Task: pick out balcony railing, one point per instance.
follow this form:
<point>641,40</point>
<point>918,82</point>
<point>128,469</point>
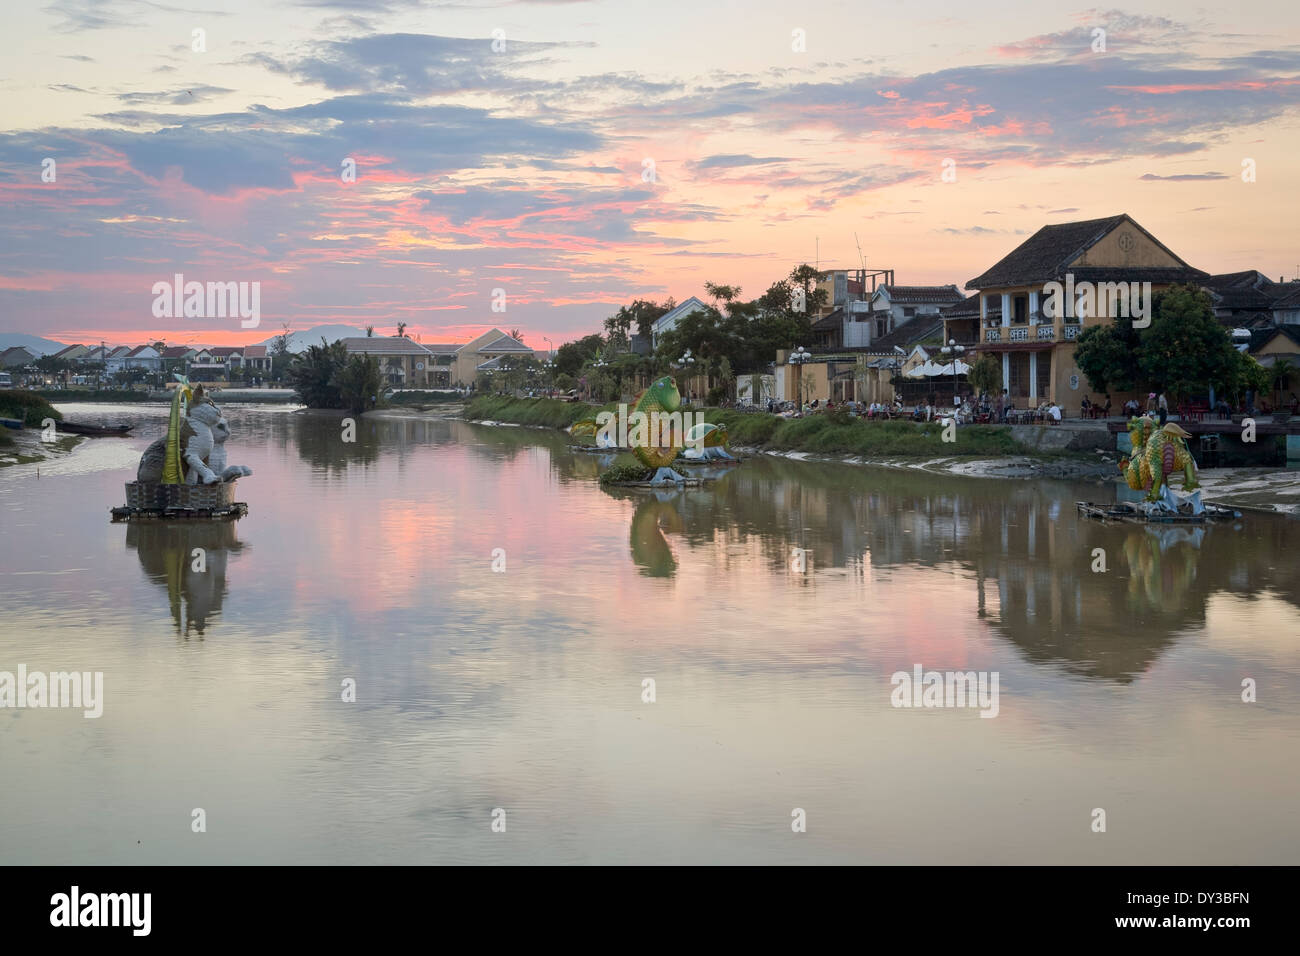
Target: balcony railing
<point>1019,334</point>
<point>1072,332</point>
<point>1046,333</point>
<point>992,335</point>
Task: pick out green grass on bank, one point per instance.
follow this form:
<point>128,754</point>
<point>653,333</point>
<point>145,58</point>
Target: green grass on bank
<point>93,395</point>
<point>422,398</point>
<point>827,434</point>
<point>529,411</point>
<point>31,407</point>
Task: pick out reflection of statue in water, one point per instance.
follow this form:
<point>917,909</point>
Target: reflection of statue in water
<point>650,550</point>
<point>166,551</point>
<point>1162,564</point>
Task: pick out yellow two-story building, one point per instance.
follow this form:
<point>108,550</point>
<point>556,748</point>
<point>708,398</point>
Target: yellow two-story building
<point>1030,325</point>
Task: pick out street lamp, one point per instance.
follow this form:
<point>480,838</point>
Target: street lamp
<point>799,358</point>
<point>954,351</point>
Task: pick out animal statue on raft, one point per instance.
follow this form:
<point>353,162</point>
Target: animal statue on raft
<point>1157,453</point>
<point>662,396</point>
<point>193,452</point>
<point>707,442</point>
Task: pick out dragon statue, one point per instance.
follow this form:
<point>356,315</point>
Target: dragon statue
<point>1157,454</point>
<point>194,449</point>
<point>662,396</point>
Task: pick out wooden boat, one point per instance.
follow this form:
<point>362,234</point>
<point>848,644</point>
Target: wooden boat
<point>15,423</point>
<point>1136,514</point>
<point>94,431</point>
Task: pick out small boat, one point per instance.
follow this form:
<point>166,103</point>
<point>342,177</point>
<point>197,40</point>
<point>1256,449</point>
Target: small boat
<point>15,423</point>
<point>94,431</point>
<point>1144,513</point>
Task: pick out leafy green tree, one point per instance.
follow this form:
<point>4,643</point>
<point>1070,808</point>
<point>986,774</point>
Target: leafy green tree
<point>985,374</point>
<point>1186,350</point>
<point>571,356</point>
<point>1108,356</point>
<point>314,374</point>
<point>359,383</point>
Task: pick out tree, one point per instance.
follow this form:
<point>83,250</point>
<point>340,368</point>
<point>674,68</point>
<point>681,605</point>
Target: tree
<point>358,383</point>
<point>370,331</point>
<point>985,374</point>
<point>516,334</point>
<point>571,356</point>
<point>314,374</point>
<point>401,330</point>
<point>806,277</point>
<point>1108,356</point>
<point>1186,350</point>
<point>1280,377</point>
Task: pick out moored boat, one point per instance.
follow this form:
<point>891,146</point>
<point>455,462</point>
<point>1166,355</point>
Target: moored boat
<point>1152,513</point>
<point>94,431</point>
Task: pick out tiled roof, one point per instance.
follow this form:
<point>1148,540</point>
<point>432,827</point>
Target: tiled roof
<point>909,333</point>
<point>1261,337</point>
<point>225,351</point>
<point>66,349</point>
<point>138,349</point>
<point>829,322</point>
<point>505,344</point>
<point>445,348</point>
<point>255,351</point>
<point>1044,257</point>
<point>176,351</point>
<point>922,294</point>
<point>383,345</point>
<point>969,308</point>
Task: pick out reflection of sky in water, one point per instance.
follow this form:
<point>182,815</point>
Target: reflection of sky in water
<point>522,690</point>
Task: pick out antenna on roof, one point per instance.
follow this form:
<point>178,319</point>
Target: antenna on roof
<point>861,261</point>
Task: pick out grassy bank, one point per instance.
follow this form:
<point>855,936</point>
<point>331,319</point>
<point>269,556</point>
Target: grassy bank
<point>528,411</point>
<point>115,395</point>
<point>824,434</point>
<point>31,407</point>
<point>422,398</point>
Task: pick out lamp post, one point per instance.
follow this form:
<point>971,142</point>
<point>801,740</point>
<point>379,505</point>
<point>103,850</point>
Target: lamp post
<point>686,363</point>
<point>954,351</point>
<point>799,358</point>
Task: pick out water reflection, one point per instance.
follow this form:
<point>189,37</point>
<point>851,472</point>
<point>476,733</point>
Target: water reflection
<point>195,583</point>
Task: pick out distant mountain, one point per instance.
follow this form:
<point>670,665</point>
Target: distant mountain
<point>33,343</point>
<point>298,341</point>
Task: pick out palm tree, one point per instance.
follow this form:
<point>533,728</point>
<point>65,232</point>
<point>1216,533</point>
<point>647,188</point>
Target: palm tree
<point>517,335</point>
<point>370,331</point>
<point>401,330</point>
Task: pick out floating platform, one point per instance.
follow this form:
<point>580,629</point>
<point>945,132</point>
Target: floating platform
<point>1138,514</point>
<point>152,501</point>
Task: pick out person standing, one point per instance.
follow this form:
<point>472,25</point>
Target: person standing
<point>1163,407</point>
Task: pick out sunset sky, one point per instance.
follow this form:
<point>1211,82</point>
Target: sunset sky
<point>522,168</point>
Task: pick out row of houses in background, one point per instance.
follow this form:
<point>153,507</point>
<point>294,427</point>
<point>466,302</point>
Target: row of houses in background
<point>199,363</point>
<point>872,333</point>
<point>406,363</point>
<point>403,362</point>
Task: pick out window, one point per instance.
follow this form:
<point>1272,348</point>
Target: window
<point>908,312</point>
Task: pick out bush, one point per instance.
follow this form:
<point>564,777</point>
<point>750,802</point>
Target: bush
<point>31,408</point>
<point>625,468</point>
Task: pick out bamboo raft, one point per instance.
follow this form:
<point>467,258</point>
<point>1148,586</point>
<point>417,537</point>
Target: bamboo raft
<point>1135,514</point>
<point>151,501</point>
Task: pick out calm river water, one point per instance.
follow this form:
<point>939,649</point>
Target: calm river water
<point>522,689</point>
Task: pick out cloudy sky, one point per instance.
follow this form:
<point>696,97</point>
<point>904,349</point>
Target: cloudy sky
<point>596,152</point>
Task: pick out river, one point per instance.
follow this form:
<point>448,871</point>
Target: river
<point>503,621</point>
